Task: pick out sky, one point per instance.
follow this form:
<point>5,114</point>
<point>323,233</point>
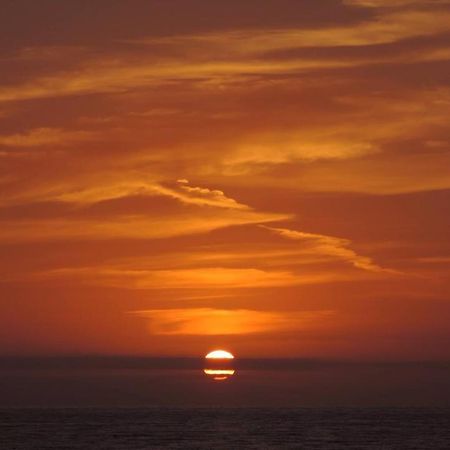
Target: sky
<point>267,177</point>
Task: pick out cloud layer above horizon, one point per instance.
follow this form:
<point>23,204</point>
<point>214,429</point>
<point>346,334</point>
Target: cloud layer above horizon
<point>206,162</point>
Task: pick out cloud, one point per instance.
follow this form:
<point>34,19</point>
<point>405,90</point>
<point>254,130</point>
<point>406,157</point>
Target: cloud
<point>371,144</point>
<point>209,321</point>
<point>276,150</point>
<point>87,192</point>
<point>100,190</point>
<point>103,191</point>
<point>242,53</point>
<point>198,278</point>
<point>200,196</point>
<point>387,175</point>
<point>330,246</point>
<point>38,137</point>
<point>210,277</point>
<point>135,274</point>
<point>167,211</point>
<point>129,75</point>
<point>130,226</point>
<point>434,260</point>
<point>394,3</point>
<point>387,27</point>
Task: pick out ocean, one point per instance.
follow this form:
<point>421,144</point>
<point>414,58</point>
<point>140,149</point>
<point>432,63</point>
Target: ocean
<point>224,428</point>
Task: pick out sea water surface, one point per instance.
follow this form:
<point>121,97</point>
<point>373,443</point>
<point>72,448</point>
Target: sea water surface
<point>225,428</point>
<point>137,404</point>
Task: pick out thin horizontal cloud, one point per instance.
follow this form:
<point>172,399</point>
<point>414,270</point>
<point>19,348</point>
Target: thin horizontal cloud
<point>394,3</point>
<point>198,278</point>
<point>209,321</point>
<point>38,137</point>
<point>396,174</point>
<point>135,226</point>
<point>129,276</point>
<point>266,255</point>
<point>128,76</point>
<point>290,148</point>
<point>434,260</point>
<point>387,27</point>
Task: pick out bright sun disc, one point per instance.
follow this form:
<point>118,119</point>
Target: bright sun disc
<point>219,354</point>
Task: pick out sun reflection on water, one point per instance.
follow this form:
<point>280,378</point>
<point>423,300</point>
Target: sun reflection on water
<point>219,374</point>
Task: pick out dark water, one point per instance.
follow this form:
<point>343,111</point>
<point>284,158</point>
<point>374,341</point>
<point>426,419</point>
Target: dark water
<point>225,428</point>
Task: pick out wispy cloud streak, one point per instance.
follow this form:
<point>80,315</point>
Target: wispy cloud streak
<point>330,246</point>
<point>210,321</point>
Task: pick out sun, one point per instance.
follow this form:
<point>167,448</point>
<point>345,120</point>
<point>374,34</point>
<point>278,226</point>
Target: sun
<point>219,365</point>
<point>219,354</point>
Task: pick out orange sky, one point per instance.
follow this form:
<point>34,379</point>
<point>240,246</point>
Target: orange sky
<point>270,177</point>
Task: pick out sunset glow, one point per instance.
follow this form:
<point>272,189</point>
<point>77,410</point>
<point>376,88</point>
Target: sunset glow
<point>225,224</point>
<point>270,177</point>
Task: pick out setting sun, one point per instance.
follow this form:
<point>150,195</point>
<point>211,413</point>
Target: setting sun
<point>219,354</point>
